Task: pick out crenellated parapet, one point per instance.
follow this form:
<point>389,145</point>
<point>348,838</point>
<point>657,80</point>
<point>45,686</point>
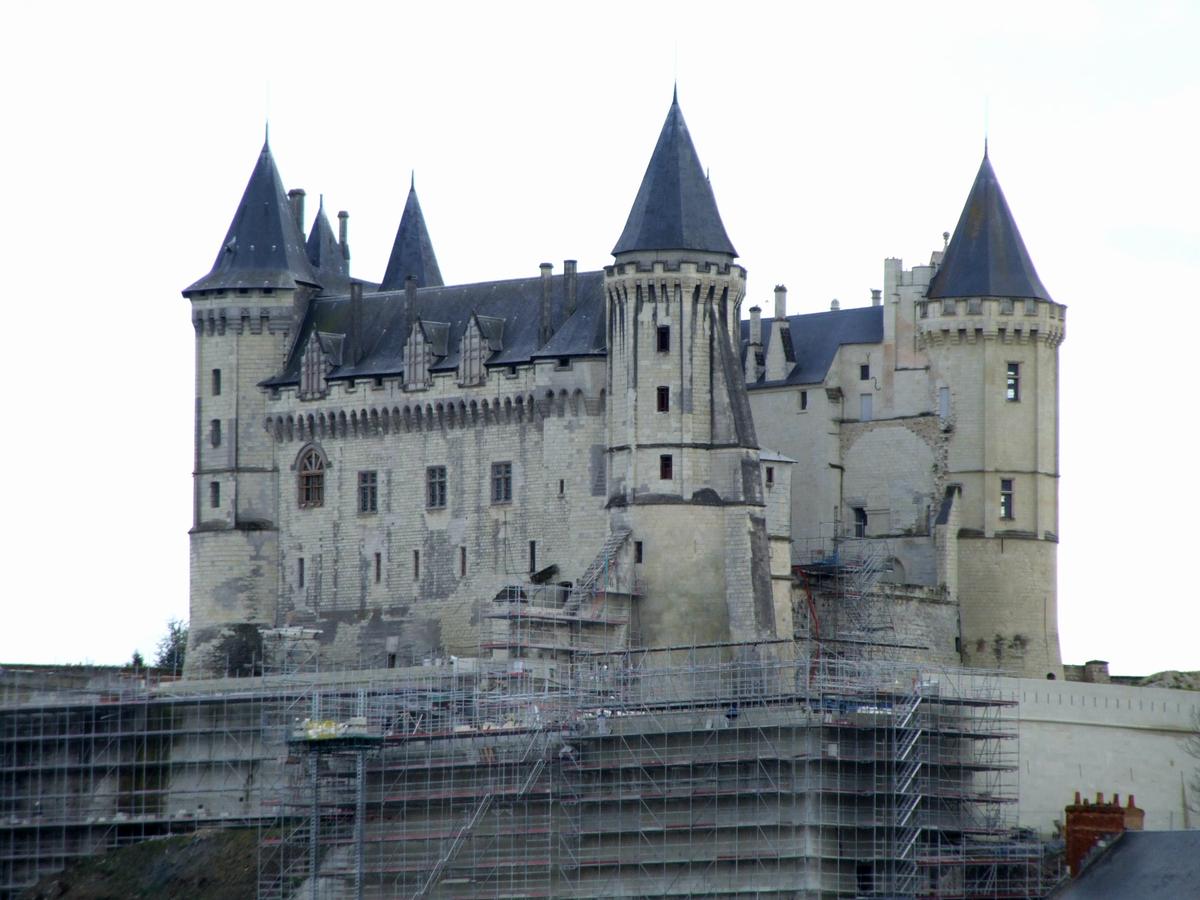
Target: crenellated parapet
<point>1002,319</point>
<point>220,319</point>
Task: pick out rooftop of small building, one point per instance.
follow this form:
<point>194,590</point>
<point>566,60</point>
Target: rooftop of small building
<point>1148,865</point>
<point>814,339</point>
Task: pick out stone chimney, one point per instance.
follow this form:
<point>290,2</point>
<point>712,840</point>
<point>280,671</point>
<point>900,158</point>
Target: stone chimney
<point>834,306</point>
<point>756,326</point>
<point>356,314</point>
<point>571,283</point>
<point>296,198</point>
<point>343,231</point>
<point>545,328</point>
<point>876,297</point>
<point>1095,671</point>
<point>754,346</point>
<point>780,302</point>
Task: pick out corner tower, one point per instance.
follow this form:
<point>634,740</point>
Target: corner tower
<point>991,333</point>
<point>683,459</point>
<point>243,312</point>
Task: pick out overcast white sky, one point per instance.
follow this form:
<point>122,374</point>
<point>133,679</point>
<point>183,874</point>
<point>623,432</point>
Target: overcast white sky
<point>836,135</point>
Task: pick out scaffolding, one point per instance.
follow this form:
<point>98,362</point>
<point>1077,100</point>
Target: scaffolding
<point>728,770</point>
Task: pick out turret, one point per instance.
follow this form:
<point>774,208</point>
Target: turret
<point>991,333</point>
<point>412,251</point>
<point>684,468</point>
<point>243,312</point>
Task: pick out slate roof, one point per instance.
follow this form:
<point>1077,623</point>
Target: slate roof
<point>263,247</point>
<point>986,256</point>
<point>325,254</point>
<point>1148,865</point>
<point>412,251</point>
<point>815,338</point>
<point>508,311</point>
<point>675,208</point>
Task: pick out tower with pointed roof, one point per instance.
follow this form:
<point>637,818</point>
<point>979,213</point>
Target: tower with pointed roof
<point>991,332</point>
<point>243,312</point>
<point>683,457</point>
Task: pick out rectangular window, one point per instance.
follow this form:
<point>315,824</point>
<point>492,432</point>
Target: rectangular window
<point>860,522</point>
<point>462,562</point>
<point>501,482</point>
<point>1012,390</point>
<point>300,572</point>
<point>944,402</point>
<point>664,338</point>
<point>770,476</point>
<point>377,381</point>
<point>435,487</point>
<point>803,401</point>
<point>666,467</point>
<point>563,362</point>
<point>637,551</point>
<point>216,382</point>
<point>416,565</point>
<point>214,494</point>
<point>866,407</point>
<point>533,556</point>
<point>562,487</point>
<point>1007,510</point>
<point>663,395</point>
<point>378,567</point>
<point>368,492</point>
<point>214,432</point>
<point>391,660</point>
<point>864,372</point>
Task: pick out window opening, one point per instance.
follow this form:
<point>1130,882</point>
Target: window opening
<point>866,404</point>
<point>215,432</point>
<point>803,401</point>
<point>860,522</point>
<point>1007,508</point>
<point>664,399</point>
<point>770,476</point>
<point>416,565</point>
<point>368,492</point>
<point>300,572</point>
<point>562,487</point>
<point>378,567</point>
<point>435,487</point>
<point>216,382</point>
<point>533,556</point>
<point>312,479</point>
<point>462,562</point>
<point>501,482</point>
<point>1012,389</point>
<point>637,551</point>
<point>666,467</point>
<point>214,494</point>
<point>664,338</point>
<point>864,372</point>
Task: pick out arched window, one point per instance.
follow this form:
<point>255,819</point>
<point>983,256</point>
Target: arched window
<point>312,479</point>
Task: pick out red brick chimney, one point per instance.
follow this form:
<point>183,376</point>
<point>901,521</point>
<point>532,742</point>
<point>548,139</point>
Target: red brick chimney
<point>1089,823</point>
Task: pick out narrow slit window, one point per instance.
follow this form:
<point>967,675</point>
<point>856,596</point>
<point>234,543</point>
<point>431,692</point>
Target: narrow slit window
<point>216,382</point>
<point>663,397</point>
<point>378,567</point>
<point>803,401</point>
<point>637,551</point>
<point>666,467</point>
<point>533,556</point>
<point>770,476</point>
<point>416,565</point>
<point>462,562</point>
<point>300,572</point>
<point>562,487</point>
<point>214,432</point>
<point>214,494</point>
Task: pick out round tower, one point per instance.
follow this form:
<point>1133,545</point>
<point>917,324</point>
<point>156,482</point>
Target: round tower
<point>243,312</point>
<point>991,333</point>
<point>683,459</point>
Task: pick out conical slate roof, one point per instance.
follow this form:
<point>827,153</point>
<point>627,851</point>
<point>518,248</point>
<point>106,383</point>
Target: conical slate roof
<point>263,247</point>
<point>675,208</point>
<point>412,251</point>
<point>325,254</point>
<point>986,256</point>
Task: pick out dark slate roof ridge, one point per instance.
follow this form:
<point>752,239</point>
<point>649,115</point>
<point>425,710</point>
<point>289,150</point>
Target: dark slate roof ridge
<point>412,250</point>
<point>675,208</point>
<point>325,254</point>
<point>263,247</point>
<point>986,256</point>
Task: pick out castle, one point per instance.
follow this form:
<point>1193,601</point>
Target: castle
<point>376,465</point>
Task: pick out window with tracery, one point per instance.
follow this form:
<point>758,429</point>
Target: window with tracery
<point>312,479</point>
<point>312,369</point>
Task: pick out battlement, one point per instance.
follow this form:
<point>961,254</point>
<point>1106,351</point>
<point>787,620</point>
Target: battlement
<point>990,318</point>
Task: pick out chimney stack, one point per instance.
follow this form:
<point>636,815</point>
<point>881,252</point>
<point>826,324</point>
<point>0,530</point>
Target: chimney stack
<point>343,231</point>
<point>755,326</point>
<point>296,198</point>
<point>780,302</point>
<point>544,329</point>
<point>571,284</point>
<point>876,297</point>
<point>834,306</point>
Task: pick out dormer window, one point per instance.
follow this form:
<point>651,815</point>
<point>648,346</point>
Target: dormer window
<point>314,365</point>
<point>472,353</point>
<point>416,360</point>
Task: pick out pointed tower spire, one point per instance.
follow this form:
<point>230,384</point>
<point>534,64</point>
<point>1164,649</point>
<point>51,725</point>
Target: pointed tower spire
<point>263,247</point>
<point>986,256</point>
<point>325,254</point>
<point>412,251</point>
<point>675,208</point>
